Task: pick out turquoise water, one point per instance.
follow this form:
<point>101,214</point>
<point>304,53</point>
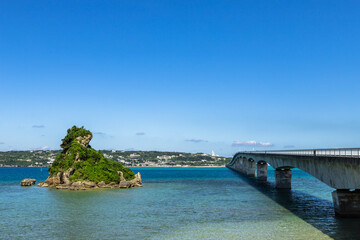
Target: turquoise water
<point>175,203</point>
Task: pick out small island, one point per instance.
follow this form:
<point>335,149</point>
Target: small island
<point>79,167</point>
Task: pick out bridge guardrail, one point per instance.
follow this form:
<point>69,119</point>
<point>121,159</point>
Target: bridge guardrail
<point>334,152</point>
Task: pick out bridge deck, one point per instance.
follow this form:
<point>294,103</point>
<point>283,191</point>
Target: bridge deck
<point>334,152</point>
<point>338,168</point>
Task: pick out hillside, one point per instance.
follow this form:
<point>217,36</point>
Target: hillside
<point>41,158</point>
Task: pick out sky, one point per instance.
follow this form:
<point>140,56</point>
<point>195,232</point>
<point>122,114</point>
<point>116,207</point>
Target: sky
<point>192,76</point>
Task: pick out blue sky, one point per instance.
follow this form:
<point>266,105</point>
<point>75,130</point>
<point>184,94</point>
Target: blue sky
<point>190,76</point>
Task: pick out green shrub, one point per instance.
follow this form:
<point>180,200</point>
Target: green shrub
<point>72,134</point>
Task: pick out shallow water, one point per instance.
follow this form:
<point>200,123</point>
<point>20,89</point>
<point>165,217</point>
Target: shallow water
<point>175,203</point>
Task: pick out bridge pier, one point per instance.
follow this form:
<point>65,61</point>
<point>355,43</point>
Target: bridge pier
<point>251,168</point>
<point>346,203</point>
<point>283,178</point>
<point>243,168</point>
<point>261,170</point>
<point>242,165</point>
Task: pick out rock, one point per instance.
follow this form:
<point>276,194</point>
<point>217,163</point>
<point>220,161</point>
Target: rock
<point>49,181</point>
<point>110,185</point>
<point>125,184</point>
<point>28,182</point>
<point>77,157</point>
<point>42,184</point>
<point>76,188</point>
<point>107,186</point>
<point>121,176</point>
<point>77,184</point>
<point>54,180</point>
<point>62,186</point>
<point>88,184</point>
<point>137,180</point>
<point>66,176</point>
<point>101,184</point>
<point>84,140</point>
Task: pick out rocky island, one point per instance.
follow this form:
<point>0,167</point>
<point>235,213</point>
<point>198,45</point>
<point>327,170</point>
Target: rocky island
<point>79,167</point>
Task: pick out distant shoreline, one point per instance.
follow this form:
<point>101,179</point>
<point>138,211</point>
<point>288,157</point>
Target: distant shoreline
<point>174,166</point>
<point>128,166</point>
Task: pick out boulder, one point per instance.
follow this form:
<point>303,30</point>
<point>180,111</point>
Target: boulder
<point>75,188</point>
<point>137,182</point>
<point>88,184</point>
<point>77,184</point>
<point>84,140</point>
<point>28,182</point>
<point>54,180</point>
<point>101,184</point>
<point>126,184</point>
<point>66,176</point>
<point>121,174</point>
<point>63,186</point>
<point>49,181</point>
<point>42,184</point>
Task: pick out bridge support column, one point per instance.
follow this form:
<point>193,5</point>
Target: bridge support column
<point>251,168</point>
<point>261,171</point>
<point>346,203</point>
<point>240,165</point>
<point>283,178</point>
<point>243,166</point>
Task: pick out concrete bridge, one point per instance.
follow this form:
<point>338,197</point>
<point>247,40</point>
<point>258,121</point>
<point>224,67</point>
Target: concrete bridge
<point>338,168</point>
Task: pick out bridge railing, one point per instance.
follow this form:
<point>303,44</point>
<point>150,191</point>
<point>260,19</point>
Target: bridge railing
<point>334,152</point>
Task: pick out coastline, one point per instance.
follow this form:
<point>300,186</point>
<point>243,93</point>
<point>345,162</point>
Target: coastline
<point>126,166</point>
<point>176,166</point>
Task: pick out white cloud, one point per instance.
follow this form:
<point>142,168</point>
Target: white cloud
<point>38,126</point>
<point>194,140</point>
<point>99,133</point>
<point>131,149</point>
<point>252,144</point>
<point>289,146</point>
<point>41,148</point>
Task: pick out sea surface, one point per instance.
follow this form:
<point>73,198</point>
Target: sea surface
<point>175,203</point>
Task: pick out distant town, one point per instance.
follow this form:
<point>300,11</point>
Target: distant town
<point>41,158</point>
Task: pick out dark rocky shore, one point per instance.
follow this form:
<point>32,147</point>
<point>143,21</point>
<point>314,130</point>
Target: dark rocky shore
<point>58,182</point>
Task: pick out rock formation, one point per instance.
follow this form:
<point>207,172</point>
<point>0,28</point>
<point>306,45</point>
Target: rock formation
<point>28,182</point>
<point>80,167</point>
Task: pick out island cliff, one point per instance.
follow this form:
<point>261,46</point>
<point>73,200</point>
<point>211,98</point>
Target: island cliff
<point>80,167</point>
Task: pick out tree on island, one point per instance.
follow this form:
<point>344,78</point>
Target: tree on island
<point>80,166</point>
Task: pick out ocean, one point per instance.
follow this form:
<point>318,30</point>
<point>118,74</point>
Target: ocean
<point>174,203</point>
